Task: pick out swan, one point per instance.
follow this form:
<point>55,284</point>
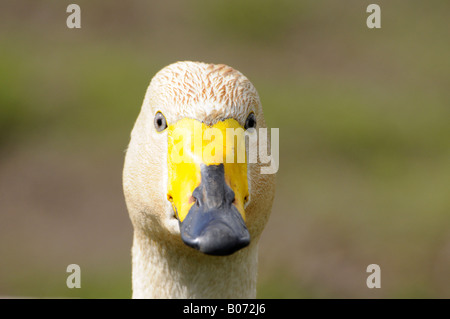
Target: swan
<point>196,224</point>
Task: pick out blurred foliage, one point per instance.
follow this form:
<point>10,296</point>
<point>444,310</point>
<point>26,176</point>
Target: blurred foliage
<point>252,20</point>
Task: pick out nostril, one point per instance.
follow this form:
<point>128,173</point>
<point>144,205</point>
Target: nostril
<point>192,200</point>
<point>197,196</point>
<point>230,197</point>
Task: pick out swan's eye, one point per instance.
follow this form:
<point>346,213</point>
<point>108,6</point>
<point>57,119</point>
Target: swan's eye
<point>250,122</point>
<point>160,122</point>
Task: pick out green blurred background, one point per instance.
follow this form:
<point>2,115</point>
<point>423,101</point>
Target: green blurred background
<point>364,126</point>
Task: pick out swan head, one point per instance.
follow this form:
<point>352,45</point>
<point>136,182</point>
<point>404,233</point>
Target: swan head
<point>186,180</point>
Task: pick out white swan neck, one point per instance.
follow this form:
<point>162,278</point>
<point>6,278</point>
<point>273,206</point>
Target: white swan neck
<point>165,271</point>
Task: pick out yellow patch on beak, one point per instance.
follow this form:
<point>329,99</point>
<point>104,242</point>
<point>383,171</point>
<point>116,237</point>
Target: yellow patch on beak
<point>191,144</point>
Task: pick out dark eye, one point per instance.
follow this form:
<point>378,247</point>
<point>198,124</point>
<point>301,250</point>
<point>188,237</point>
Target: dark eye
<point>160,122</point>
<point>250,122</point>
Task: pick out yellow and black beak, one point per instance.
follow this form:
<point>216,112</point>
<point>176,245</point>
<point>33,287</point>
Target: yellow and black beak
<point>207,184</point>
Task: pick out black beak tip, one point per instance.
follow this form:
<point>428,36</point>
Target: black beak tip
<point>214,226</point>
<point>218,237</point>
<point>219,240</point>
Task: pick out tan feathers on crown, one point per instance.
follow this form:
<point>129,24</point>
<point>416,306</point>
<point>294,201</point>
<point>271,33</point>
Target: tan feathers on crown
<point>216,90</point>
